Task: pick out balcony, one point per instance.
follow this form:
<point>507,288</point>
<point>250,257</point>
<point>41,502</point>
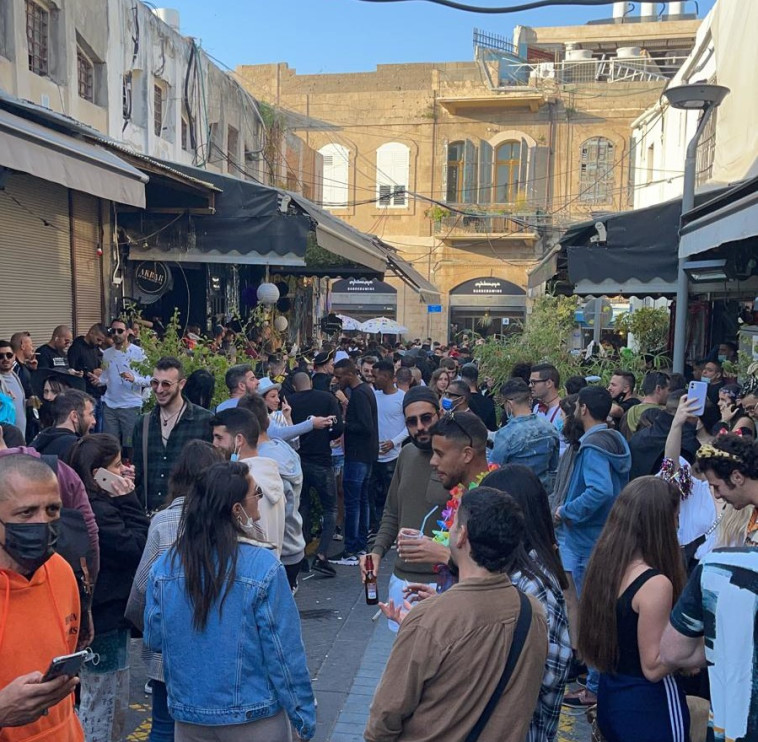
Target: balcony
<point>472,227</point>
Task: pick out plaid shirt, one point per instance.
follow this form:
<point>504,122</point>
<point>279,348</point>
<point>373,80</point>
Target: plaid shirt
<point>160,538</point>
<point>544,725</point>
<point>194,423</point>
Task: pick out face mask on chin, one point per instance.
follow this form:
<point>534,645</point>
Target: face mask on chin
<point>30,545</point>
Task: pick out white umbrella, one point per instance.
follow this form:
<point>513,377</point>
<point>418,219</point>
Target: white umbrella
<point>384,325</point>
<point>348,323</point>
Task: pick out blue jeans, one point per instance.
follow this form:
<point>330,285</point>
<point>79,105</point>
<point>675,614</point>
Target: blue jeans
<point>356,479</point>
<point>578,568</point>
<point>320,478</point>
<point>163,725</point>
<point>381,477</point>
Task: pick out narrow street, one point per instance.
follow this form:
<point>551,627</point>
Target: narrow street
<point>346,653</point>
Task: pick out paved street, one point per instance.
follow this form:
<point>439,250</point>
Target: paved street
<point>346,653</point>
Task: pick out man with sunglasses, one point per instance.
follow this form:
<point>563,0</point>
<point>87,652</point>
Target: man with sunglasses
<point>415,499</point>
<point>123,395</point>
<point>169,425</point>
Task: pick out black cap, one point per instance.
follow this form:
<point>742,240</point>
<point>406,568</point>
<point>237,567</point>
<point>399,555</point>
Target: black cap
<point>420,394</point>
<point>322,358</point>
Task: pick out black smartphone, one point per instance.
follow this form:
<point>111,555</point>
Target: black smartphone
<point>67,664</point>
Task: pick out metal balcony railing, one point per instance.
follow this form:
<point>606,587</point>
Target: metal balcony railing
<point>492,224</point>
<point>514,73</point>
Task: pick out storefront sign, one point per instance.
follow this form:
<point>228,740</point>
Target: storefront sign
<point>152,278</point>
<point>487,287</point>
<point>362,286</point>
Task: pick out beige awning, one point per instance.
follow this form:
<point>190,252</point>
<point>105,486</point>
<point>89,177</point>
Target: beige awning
<point>50,155</point>
<point>428,292</point>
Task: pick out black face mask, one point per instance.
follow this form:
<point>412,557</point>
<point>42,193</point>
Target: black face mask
<point>30,544</point>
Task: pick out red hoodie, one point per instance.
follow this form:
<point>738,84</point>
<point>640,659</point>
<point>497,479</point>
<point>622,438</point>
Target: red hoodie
<point>73,495</point>
<point>39,620</point>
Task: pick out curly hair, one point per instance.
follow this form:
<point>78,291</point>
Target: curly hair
<point>495,524</point>
<point>739,454</point>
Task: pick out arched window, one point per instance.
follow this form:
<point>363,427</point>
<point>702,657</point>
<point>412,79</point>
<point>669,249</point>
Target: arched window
<point>596,179</point>
<point>393,161</point>
<point>336,173</point>
<point>455,172</point>
<point>510,171</point>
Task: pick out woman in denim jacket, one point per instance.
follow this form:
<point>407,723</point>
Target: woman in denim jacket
<point>220,610</point>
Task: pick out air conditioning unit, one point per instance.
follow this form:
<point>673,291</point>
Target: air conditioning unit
<point>545,71</point>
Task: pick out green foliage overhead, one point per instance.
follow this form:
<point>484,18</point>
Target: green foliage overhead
<point>649,326</point>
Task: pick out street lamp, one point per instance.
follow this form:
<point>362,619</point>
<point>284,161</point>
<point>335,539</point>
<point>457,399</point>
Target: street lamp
<point>705,98</point>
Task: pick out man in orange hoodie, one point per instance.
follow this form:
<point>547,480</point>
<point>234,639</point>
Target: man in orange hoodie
<point>39,607</point>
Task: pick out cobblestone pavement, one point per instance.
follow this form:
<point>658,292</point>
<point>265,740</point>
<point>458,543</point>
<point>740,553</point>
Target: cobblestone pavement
<point>346,653</point>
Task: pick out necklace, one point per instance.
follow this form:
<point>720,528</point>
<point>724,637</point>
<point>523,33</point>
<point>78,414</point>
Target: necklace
<point>167,420</point>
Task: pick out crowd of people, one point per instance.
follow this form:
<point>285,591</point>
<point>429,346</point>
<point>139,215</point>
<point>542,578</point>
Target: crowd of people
<point>544,533</point>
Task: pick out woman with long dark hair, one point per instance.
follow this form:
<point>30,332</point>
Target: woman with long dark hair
<point>195,459</point>
<point>634,577</point>
<point>220,610</point>
<point>122,532</point>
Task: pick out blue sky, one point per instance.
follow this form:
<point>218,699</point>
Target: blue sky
<point>316,36</point>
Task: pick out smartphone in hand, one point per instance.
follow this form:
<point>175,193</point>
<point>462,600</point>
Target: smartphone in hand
<point>67,664</point>
<point>698,390</point>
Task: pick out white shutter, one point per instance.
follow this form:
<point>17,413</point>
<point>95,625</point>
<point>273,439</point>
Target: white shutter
<point>392,173</point>
<point>336,170</point>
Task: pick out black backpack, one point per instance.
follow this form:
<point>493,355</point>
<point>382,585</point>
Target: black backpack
<point>74,546</point>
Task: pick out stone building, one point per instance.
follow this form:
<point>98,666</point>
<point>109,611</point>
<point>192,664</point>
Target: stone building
<point>472,169</point>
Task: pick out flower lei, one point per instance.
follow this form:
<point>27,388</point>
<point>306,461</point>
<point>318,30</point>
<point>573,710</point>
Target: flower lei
<point>442,536</point>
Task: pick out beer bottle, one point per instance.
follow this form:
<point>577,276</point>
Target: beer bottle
<point>372,593</point>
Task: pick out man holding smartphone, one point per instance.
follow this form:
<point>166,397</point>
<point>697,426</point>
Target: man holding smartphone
<point>40,607</point>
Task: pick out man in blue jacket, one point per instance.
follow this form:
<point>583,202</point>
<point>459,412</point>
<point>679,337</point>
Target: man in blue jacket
<point>600,472</point>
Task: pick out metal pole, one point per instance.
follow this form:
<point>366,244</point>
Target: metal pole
<point>682,284</point>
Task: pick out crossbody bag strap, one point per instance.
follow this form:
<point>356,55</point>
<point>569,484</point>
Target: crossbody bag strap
<point>145,480</point>
<point>519,639</point>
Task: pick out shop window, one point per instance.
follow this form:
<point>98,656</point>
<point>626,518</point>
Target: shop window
<point>596,176</point>
<point>392,174</point>
<point>85,74</point>
<point>510,176</point>
<point>38,37</point>
<point>336,173</point>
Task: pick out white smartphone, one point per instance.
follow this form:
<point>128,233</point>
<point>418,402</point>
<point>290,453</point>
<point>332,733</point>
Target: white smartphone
<point>698,390</point>
<point>108,481</point>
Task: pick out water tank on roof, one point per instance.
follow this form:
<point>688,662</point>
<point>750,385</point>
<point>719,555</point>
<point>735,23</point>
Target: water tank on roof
<point>629,52</point>
<point>170,16</point>
<point>578,55</point>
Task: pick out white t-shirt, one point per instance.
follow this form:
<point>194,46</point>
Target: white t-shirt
<point>389,408</point>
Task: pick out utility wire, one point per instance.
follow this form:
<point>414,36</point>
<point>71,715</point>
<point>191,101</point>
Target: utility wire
<point>505,9</point>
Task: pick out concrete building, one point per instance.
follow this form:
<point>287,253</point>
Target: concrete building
<point>471,169</point>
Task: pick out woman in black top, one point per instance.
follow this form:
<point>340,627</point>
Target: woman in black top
<point>633,578</point>
<point>122,526</point>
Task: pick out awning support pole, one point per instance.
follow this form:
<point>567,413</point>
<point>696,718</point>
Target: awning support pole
<point>682,283</point>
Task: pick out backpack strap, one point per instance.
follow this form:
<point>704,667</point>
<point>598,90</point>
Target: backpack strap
<point>519,639</point>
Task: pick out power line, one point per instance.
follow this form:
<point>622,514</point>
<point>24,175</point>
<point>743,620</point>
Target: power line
<point>503,9</point>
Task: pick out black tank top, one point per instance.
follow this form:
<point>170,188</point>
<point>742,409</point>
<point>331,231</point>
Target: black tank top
<point>626,627</point>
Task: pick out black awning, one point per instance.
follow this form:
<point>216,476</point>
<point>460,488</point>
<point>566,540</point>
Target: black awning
<point>636,247</point>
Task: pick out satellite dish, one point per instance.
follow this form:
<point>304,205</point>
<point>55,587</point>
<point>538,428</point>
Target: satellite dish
<point>598,311</point>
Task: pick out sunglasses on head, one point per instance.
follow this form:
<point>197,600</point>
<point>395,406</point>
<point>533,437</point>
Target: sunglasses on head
<point>451,417</point>
<point>162,383</point>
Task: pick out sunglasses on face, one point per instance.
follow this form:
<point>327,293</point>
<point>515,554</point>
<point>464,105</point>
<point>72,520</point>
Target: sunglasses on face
<point>415,421</point>
<point>258,493</point>
<point>162,383</point>
<point>118,330</point>
<point>452,395</point>
<point>534,382</point>
<point>6,356</point>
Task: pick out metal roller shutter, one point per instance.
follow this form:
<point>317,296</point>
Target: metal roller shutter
<point>87,265</point>
<point>35,257</point>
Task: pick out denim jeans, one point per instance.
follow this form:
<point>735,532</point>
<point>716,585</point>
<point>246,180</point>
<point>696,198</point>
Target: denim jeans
<point>578,568</point>
<point>355,482</point>
<point>162,729</point>
<point>381,476</point>
<point>320,478</point>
